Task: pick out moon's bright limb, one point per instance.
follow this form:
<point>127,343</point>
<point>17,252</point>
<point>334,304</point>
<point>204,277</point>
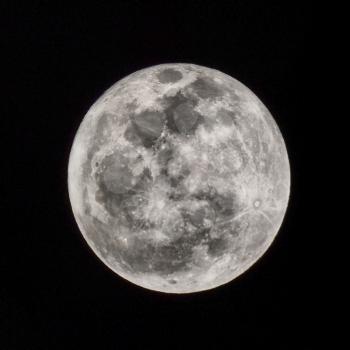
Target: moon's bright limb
<point>179,178</point>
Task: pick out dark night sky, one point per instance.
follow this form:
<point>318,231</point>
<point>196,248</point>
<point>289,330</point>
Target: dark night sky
<point>58,60</point>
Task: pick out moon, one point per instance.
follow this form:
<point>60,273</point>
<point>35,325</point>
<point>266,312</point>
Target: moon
<point>179,178</point>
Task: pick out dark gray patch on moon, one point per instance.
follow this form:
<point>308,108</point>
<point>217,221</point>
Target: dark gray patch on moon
<point>149,126</point>
<point>117,176</point>
<point>131,135</point>
<point>203,216</point>
<point>226,117</point>
<point>223,204</point>
<point>206,88</point>
<point>180,113</point>
<point>169,75</point>
<point>217,246</point>
<point>166,259</point>
<point>185,118</point>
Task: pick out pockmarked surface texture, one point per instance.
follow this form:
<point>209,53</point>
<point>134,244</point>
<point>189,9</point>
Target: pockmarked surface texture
<point>179,178</point>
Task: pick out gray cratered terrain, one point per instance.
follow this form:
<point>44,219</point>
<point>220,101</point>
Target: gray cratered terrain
<point>179,178</point>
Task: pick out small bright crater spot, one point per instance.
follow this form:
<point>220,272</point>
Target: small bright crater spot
<point>257,203</point>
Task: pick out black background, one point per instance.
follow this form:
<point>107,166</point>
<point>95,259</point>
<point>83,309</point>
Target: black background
<point>58,60</point>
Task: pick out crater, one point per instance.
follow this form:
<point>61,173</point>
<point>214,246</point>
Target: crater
<point>169,75</point>
<point>235,158</point>
<point>257,203</point>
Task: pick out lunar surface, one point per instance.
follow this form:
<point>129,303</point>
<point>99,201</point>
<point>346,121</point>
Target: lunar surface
<point>179,178</point>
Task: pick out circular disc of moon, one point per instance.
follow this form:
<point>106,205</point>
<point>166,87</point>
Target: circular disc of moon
<point>179,178</point>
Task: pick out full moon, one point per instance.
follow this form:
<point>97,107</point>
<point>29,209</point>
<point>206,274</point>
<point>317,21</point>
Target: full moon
<point>179,178</point>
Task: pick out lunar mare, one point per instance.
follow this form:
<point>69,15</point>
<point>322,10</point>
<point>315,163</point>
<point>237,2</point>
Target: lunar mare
<point>179,178</point>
